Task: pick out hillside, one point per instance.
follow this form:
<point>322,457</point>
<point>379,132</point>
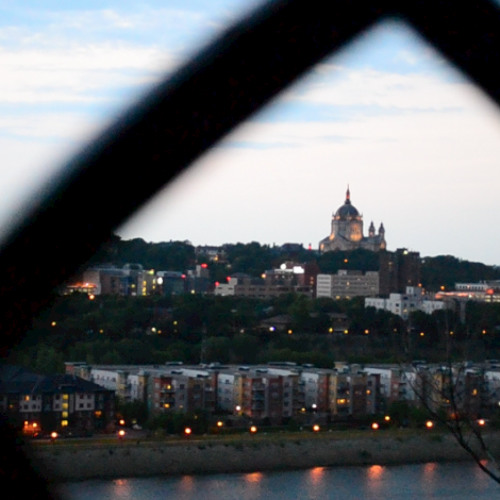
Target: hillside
<point>254,258</point>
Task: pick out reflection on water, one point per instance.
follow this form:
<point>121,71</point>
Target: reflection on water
<point>317,485</point>
<point>187,484</point>
<point>316,475</point>
<point>252,485</point>
<point>424,481</point>
<point>121,488</point>
<point>374,483</point>
<point>375,472</point>
<point>254,477</point>
<point>429,477</point>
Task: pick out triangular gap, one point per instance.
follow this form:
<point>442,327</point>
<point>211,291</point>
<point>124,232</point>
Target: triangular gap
<point>415,139</point>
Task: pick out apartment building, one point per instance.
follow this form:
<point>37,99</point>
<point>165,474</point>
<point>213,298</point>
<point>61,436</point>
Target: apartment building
<point>403,304</point>
<point>347,284</point>
<point>40,404</point>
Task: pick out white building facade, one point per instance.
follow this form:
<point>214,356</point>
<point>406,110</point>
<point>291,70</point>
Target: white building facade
<point>403,304</point>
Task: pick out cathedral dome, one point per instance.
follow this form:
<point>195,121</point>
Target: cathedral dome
<point>347,209</point>
<point>346,231</point>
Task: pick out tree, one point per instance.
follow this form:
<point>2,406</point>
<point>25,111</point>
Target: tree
<point>452,395</point>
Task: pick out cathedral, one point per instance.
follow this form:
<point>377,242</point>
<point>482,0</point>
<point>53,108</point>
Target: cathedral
<point>347,231</point>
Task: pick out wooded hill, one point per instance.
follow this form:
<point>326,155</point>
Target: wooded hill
<point>254,258</point>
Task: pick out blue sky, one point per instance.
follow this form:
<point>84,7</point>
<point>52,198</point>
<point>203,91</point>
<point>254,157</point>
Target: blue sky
<point>416,142</point>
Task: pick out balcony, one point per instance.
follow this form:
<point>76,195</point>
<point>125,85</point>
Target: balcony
<point>258,387</point>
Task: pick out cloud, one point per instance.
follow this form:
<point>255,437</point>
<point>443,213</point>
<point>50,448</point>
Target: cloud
<point>81,73</point>
<point>154,23</point>
<point>369,87</point>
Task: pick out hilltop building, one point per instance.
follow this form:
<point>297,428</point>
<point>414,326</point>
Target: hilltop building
<point>347,231</point>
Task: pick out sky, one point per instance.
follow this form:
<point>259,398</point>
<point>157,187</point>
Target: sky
<point>416,142</point>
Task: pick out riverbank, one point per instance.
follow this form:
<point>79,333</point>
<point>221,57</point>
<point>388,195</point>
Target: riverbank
<point>61,461</point>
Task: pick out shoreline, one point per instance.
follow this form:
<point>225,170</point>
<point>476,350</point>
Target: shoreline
<point>69,462</point>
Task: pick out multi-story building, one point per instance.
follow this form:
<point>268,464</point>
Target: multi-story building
<point>212,253</point>
<point>260,392</point>
<point>316,388</point>
<point>339,395</point>
<point>347,284</point>
<point>171,282</point>
<point>131,279</point>
<point>170,387</point>
<point>260,288</point>
<point>392,381</point>
<point>484,291</point>
<point>126,381</point>
<point>399,270</point>
<point>181,390</point>
<point>45,403</point>
<point>403,304</point>
<point>353,393</point>
<point>276,392</point>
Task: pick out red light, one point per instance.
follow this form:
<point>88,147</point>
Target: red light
<point>183,276</point>
<point>228,278</point>
<point>204,266</point>
<point>217,284</point>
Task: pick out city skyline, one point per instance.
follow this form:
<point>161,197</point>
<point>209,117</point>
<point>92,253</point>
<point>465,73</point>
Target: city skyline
<point>413,139</point>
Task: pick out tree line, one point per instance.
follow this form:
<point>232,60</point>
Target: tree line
<point>254,258</point>
<point>205,328</point>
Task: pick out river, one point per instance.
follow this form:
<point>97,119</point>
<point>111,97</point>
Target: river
<point>423,481</point>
